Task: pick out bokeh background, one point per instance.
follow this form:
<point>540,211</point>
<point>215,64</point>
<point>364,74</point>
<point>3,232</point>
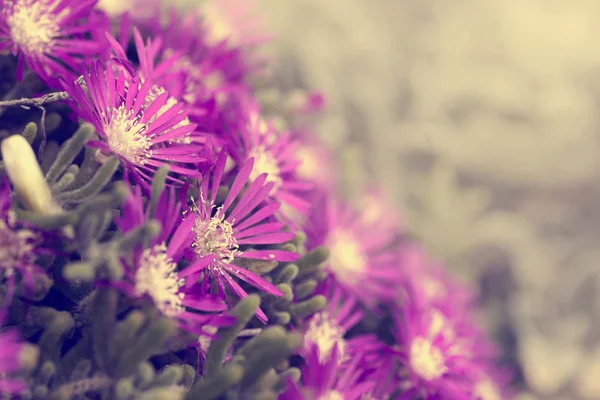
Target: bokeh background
<point>480,119</point>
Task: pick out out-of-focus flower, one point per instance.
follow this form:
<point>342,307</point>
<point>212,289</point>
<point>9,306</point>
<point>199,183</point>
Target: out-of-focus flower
<point>327,329</point>
<point>437,359</point>
<point>274,155</point>
<point>326,381</point>
<point>244,219</point>
<point>152,271</point>
<point>48,35</point>
<point>15,355</point>
<point>130,127</point>
<point>363,264</point>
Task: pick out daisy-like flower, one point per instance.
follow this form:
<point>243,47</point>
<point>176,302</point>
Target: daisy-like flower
<point>20,245</point>
<point>274,155</point>
<point>327,329</point>
<point>51,36</point>
<point>223,231</point>
<point>15,355</point>
<point>436,355</point>
<point>130,127</point>
<point>166,73</point>
<point>152,272</point>
<point>326,381</point>
<point>365,265</point>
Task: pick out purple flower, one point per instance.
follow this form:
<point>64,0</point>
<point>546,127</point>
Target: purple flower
<point>436,352</point>
<point>20,245</point>
<point>327,381</point>
<point>14,356</point>
<point>152,272</point>
<point>166,73</point>
<point>132,127</point>
<point>362,259</point>
<point>275,155</point>
<point>48,35</point>
<point>224,231</point>
<point>327,329</point>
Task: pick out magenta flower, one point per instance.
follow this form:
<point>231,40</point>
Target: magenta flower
<point>327,329</point>
<point>50,36</point>
<point>138,131</point>
<point>436,352</point>
<point>14,356</point>
<point>327,381</point>
<point>224,231</point>
<point>365,265</point>
<point>215,71</point>
<point>274,155</point>
<point>153,273</point>
<point>20,245</point>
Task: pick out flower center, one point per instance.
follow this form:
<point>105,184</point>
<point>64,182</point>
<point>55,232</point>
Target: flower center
<point>156,276</point>
<point>14,245</point>
<point>485,389</point>
<point>347,260</point>
<point>33,26</point>
<point>325,335</point>
<point>332,395</point>
<point>426,360</point>
<point>125,136</point>
<point>215,236</point>
<point>309,167</point>
<point>265,162</point>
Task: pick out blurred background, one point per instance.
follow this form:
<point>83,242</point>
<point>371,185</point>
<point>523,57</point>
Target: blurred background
<point>480,120</point>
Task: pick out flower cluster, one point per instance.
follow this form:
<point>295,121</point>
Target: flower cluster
<point>193,244</point>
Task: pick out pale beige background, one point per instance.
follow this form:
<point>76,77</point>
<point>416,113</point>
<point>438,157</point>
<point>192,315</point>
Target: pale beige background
<point>480,119</point>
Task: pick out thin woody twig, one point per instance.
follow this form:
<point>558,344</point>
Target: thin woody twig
<point>37,101</point>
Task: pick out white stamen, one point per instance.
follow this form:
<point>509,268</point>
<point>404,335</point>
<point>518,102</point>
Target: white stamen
<point>33,26</point>
<point>332,395</point>
<point>156,276</point>
<point>265,162</point>
<point>215,236</point>
<point>126,136</point>
<point>426,360</point>
<point>325,335</point>
<point>347,259</point>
